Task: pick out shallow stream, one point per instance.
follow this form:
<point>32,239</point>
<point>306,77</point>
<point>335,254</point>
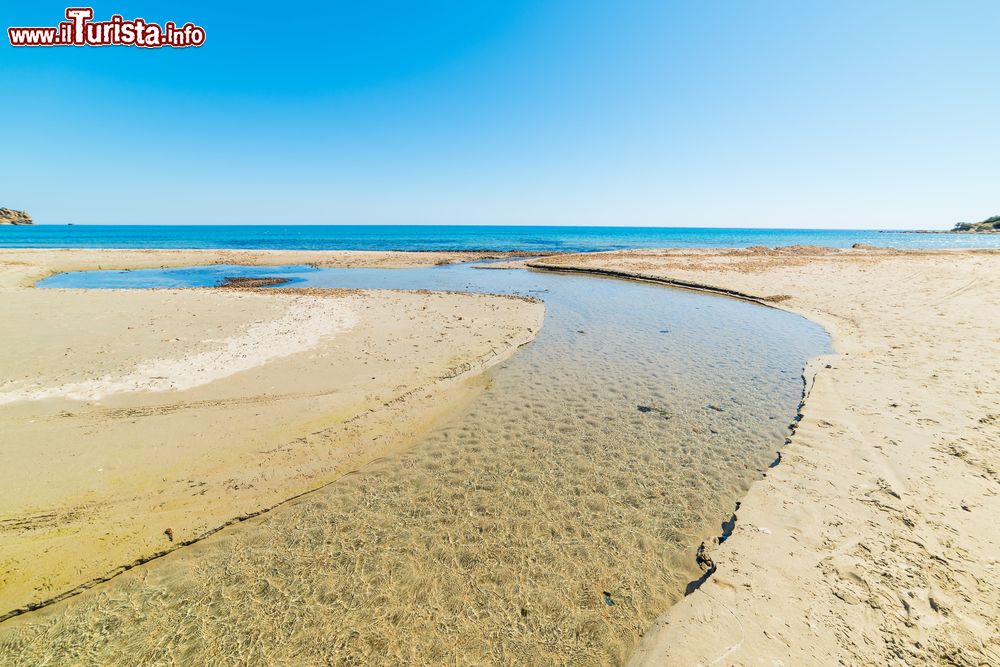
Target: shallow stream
<point>548,522</point>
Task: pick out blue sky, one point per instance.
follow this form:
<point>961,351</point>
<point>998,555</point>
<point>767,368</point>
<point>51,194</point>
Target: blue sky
<point>825,114</point>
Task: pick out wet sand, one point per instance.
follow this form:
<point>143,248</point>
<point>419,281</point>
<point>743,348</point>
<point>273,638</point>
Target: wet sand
<point>125,413</point>
<point>549,521</point>
<point>875,540</point>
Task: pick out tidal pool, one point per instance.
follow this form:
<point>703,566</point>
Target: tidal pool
<point>549,521</point>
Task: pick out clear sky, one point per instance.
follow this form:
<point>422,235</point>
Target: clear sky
<point>819,114</point>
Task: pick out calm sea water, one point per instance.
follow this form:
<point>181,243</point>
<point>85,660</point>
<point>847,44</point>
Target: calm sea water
<point>531,239</point>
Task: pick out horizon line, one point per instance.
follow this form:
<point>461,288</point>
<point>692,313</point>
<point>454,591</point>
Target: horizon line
<point>462,225</point>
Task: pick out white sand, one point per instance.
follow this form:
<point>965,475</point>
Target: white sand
<point>305,322</point>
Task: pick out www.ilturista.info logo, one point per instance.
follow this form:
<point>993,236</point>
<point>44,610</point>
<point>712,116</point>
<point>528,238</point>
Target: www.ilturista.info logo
<point>81,30</point>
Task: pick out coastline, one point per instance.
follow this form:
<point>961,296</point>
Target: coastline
<point>947,231</point>
<point>23,267</point>
<point>149,413</point>
<point>858,547</point>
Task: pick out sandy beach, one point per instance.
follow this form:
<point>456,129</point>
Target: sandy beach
<point>874,540</point>
<point>871,541</point>
<point>137,421</point>
<point>571,334</point>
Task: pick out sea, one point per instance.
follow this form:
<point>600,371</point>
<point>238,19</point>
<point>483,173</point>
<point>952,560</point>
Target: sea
<point>497,238</point>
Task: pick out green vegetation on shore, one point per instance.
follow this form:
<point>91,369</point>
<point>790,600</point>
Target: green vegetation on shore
<point>991,224</point>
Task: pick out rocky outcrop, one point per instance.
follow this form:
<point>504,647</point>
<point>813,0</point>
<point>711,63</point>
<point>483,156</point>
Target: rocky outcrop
<point>989,225</point>
<point>12,217</point>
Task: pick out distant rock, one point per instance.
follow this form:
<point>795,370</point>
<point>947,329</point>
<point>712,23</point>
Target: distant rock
<point>989,225</point>
<point>12,217</point>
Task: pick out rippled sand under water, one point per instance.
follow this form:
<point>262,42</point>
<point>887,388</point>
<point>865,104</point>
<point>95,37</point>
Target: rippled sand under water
<point>548,522</point>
